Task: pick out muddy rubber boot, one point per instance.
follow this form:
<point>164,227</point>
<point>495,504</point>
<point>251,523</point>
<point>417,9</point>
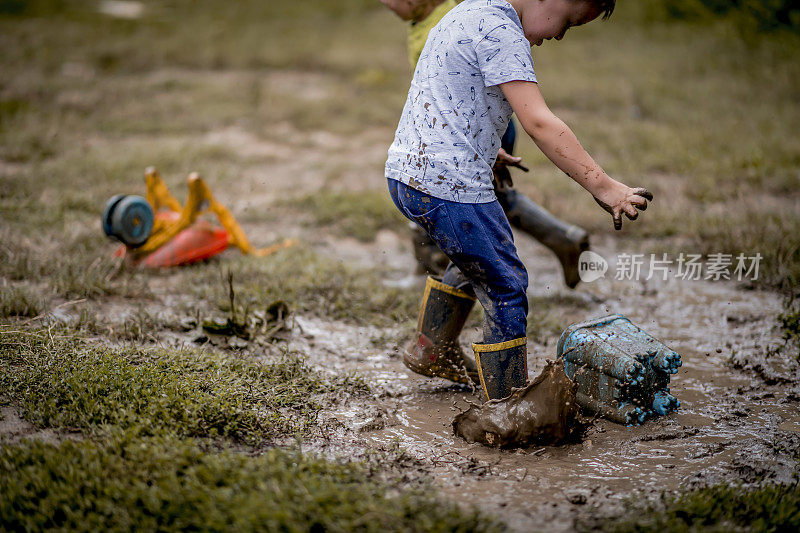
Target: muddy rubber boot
<point>502,366</point>
<point>567,241</point>
<point>430,259</point>
<point>434,351</point>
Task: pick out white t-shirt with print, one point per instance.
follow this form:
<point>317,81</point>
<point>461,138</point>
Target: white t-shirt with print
<point>452,122</point>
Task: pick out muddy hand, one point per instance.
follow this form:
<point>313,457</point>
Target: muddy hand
<point>508,160</point>
<point>623,199</point>
<point>502,175</point>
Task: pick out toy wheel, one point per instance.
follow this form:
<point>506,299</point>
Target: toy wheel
<point>110,205</point>
<point>132,220</point>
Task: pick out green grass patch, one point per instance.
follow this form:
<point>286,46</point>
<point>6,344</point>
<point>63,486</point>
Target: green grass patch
<point>309,283</point>
<point>78,265</point>
<point>741,229</point>
<point>167,484</point>
<point>255,35</point>
<point>60,381</point>
<point>20,301</point>
<point>715,509</point>
<point>750,15</point>
<point>140,326</point>
<point>79,122</point>
<point>359,215</point>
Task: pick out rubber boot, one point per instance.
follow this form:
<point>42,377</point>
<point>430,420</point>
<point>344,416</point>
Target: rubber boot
<point>430,259</point>
<point>502,366</point>
<point>566,240</point>
<point>434,351</point>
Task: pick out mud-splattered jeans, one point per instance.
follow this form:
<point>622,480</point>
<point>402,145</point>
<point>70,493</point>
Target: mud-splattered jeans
<point>477,238</point>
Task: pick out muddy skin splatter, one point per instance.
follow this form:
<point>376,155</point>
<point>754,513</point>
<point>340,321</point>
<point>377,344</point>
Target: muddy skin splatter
<point>588,169</point>
<point>544,412</point>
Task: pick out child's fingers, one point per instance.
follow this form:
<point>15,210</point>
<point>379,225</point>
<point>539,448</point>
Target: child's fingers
<point>644,193</point>
<point>617,220</point>
<point>630,212</point>
<point>639,202</point>
<point>504,157</point>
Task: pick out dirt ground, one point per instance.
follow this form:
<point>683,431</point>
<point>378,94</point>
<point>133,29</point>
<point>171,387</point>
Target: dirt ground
<point>738,422</point>
<point>288,110</point>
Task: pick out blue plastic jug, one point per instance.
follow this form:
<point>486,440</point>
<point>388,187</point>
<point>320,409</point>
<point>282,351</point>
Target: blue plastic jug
<point>622,372</point>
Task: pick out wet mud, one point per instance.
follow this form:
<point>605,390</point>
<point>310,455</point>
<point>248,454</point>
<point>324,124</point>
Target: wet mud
<point>733,426</point>
<point>739,419</point>
<point>545,412</point>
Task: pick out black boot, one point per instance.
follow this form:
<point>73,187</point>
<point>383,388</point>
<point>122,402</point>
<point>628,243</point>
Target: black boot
<point>434,350</point>
<point>502,366</point>
<point>567,241</point>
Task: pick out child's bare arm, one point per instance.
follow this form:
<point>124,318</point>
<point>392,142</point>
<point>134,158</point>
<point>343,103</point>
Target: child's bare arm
<point>415,10</point>
<point>560,145</point>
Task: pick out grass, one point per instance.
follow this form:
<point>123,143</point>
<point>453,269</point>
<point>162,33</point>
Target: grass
<point>79,124</point>
<point>714,509</point>
<point>139,325</point>
<point>360,215</point>
<point>790,320</point>
<point>168,484</point>
<point>58,380</point>
<point>305,66</point>
<point>702,114</point>
<point>155,447</point>
<point>310,284</point>
<point>20,301</point>
<point>73,267</point>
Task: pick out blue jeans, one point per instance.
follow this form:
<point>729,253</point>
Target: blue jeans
<point>477,238</point>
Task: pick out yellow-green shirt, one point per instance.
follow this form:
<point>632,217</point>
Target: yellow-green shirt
<point>418,31</point>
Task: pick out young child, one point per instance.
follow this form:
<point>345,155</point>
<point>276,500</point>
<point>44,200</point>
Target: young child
<point>474,71</point>
<point>565,240</point>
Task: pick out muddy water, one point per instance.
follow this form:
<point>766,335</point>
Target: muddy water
<point>543,412</point>
<point>737,425</point>
<point>732,426</point>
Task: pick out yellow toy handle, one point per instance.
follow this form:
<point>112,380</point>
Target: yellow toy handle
<point>199,201</point>
<point>158,196</point>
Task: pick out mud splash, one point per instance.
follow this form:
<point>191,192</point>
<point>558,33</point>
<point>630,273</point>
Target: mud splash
<point>544,412</point>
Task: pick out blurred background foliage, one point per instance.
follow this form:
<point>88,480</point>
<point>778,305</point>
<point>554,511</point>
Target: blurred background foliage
<point>759,15</point>
<point>697,99</point>
<point>752,14</point>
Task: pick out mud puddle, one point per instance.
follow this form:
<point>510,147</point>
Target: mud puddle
<point>731,427</point>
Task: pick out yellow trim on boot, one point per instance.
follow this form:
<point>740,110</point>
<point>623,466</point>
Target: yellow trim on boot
<point>496,347</point>
<point>449,289</point>
<point>424,304</point>
<point>480,374</point>
<point>433,283</point>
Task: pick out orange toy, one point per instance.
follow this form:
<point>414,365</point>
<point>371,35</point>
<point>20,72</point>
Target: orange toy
<point>179,237</point>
